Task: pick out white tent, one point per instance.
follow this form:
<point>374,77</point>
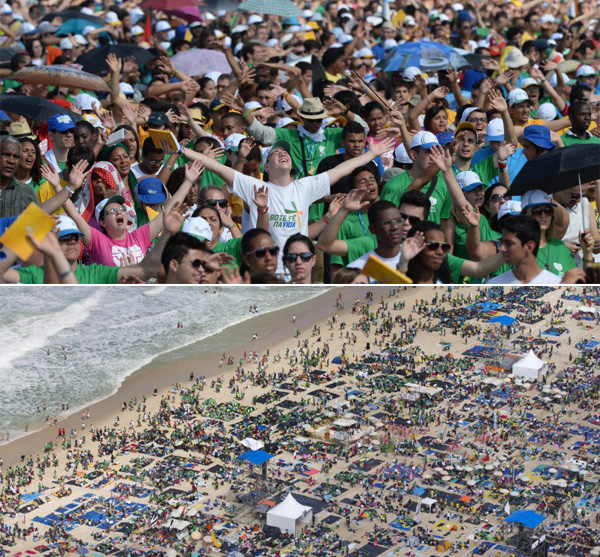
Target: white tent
<point>530,367</point>
<point>253,444</point>
<point>428,502</point>
<point>288,513</point>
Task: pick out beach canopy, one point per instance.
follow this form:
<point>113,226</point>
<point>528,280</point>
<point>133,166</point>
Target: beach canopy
<point>253,444</point>
<point>529,519</point>
<point>286,515</point>
<point>529,367</point>
<point>256,457</point>
<point>503,319</point>
<point>428,502</point>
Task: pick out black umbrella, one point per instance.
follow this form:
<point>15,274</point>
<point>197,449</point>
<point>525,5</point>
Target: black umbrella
<point>95,61</point>
<point>6,54</point>
<point>558,170</point>
<point>72,14</point>
<point>36,108</point>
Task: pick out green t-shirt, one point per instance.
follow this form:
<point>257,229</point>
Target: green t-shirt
<point>359,246</point>
<point>569,139</point>
<point>455,263</point>
<point>85,274</point>
<point>486,170</point>
<point>460,236</point>
<point>441,202</point>
<point>356,225</point>
<point>556,257</point>
<point>232,247</point>
<point>313,152</point>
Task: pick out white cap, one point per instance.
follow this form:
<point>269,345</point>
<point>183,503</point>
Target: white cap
<point>126,89</point>
<point>528,82</point>
<point>495,130</point>
<point>65,44</point>
<point>237,48</point>
<point>401,155</point>
<point>364,53</point>
<point>198,228</point>
<point>585,71</point>
<point>166,45</point>
<point>218,33</point>
<point>253,105</point>
<point>162,26</point>
<point>209,16</point>
<point>345,38</point>
<point>424,139</point>
<point>232,142</point>
<point>136,30</point>
<point>255,19</point>
<point>85,101</point>
<point>87,29</point>
<point>535,198</point>
<point>468,180</point>
<point>291,29</point>
<point>6,10</point>
<point>87,11</point>
<point>547,111</point>
<point>239,29</point>
<point>547,18</point>
<point>66,226</point>
<point>27,28</point>
<point>273,42</point>
<point>510,207</point>
<point>457,7</point>
<point>135,15</point>
<point>81,40</point>
<point>553,81</point>
<point>374,20</point>
<point>111,17</point>
<point>557,36</point>
<point>388,44</point>
<point>286,121</point>
<point>410,73</point>
<point>307,14</point>
<point>409,20</point>
<point>444,17</point>
<point>517,96</point>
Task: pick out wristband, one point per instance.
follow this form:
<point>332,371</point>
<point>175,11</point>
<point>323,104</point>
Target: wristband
<point>65,274</point>
<point>71,192</point>
<point>169,167</point>
<point>246,113</point>
<point>242,160</point>
<point>367,89</point>
<point>179,152</point>
<point>325,219</point>
<point>263,211</point>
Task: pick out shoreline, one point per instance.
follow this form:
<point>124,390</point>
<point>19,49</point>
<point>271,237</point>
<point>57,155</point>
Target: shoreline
<point>145,379</point>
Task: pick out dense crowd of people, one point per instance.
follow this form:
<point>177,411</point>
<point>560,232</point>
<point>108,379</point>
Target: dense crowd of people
<point>302,145</point>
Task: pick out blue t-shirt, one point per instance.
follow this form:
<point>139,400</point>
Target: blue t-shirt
<point>514,164</point>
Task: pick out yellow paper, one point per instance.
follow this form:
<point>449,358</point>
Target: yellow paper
<point>162,135</point>
<point>383,273</point>
<point>31,221</point>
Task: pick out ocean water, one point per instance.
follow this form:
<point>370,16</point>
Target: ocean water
<point>108,333</point>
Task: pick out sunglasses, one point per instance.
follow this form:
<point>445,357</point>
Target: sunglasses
<point>359,66</point>
<point>70,239</point>
<point>410,218</point>
<point>541,211</point>
<point>497,197</point>
<point>214,202</point>
<point>434,246</point>
<point>305,257</point>
<point>575,196</point>
<point>259,253</point>
<point>114,211</point>
<point>197,263</point>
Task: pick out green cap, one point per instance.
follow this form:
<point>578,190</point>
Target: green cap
<point>281,144</point>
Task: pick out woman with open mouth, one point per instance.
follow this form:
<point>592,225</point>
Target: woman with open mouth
<point>28,171</point>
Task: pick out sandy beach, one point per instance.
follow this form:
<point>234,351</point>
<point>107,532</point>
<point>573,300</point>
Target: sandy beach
<point>366,442</point>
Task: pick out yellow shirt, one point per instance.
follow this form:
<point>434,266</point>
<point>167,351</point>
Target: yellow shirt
<point>46,191</point>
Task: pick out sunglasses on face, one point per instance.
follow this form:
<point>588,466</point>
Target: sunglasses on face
<point>199,263</point>
<point>434,246</point>
<point>541,211</point>
<point>412,220</point>
<point>497,197</point>
<point>259,253</point>
<point>114,211</point>
<point>575,196</point>
<point>214,202</point>
<point>70,239</point>
<point>305,257</point>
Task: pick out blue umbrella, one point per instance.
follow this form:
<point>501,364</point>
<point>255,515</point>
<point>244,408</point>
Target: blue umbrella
<point>427,55</point>
<point>76,26</point>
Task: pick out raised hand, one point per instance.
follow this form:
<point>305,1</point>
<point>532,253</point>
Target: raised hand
<point>496,101</point>
<point>246,145</point>
<point>214,152</point>
<point>78,174</point>
<point>107,119</point>
<point>354,200</point>
<point>261,197</point>
<point>396,118</point>
<point>130,113</point>
<point>411,247</point>
<point>439,93</point>
<point>336,204</point>
<point>472,216</point>
<point>49,245</point>
<point>232,276</point>
<point>174,217</point>
<point>383,146</point>
<point>536,73</point>
<point>193,171</point>
<point>506,150</point>
<point>334,107</point>
<point>441,158</point>
<point>235,103</point>
<point>51,175</point>
<point>115,64</point>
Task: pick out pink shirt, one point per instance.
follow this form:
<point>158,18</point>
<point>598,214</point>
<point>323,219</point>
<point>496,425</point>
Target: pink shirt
<point>106,251</point>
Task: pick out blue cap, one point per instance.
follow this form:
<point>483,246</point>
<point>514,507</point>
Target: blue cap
<point>464,15</point>
<point>180,31</point>
<point>445,137</point>
<point>158,119</point>
<point>539,135</point>
<point>61,123</point>
<point>4,117</point>
<point>291,20</point>
<point>216,104</point>
<point>151,191</point>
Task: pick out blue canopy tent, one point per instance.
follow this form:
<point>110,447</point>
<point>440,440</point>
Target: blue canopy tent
<point>529,519</point>
<point>256,457</point>
<point>336,360</point>
<point>503,319</point>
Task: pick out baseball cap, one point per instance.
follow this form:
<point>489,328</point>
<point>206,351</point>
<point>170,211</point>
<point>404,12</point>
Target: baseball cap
<point>126,89</point>
<point>538,135</point>
<point>111,17</point>
<point>388,44</point>
<point>445,137</point>
<point>466,126</point>
<point>158,119</point>
<point>515,59</point>
<point>136,30</point>
<point>85,101</point>
<point>151,191</point>
<point>61,123</point>
<point>364,53</point>
<point>6,10</point>
<point>410,73</point>
<point>20,130</point>
<point>27,28</point>
<point>162,26</point>
<point>409,20</point>
<point>547,111</point>
<point>467,112</point>
<point>585,71</point>
<point>548,18</point>
<point>510,207</point>
<point>255,19</point>
<point>65,44</point>
<point>424,139</point>
<point>198,228</point>
<point>517,96</point>
<point>401,155</point>
<point>468,180</point>
<point>216,104</point>
<point>80,40</point>
<point>99,212</point>
<point>232,142</point>
<point>280,144</point>
<point>46,27</point>
<point>457,7</point>
<point>528,82</point>
<point>535,198</point>
<point>286,121</point>
<point>495,130</point>
<point>66,226</point>
<point>464,15</point>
